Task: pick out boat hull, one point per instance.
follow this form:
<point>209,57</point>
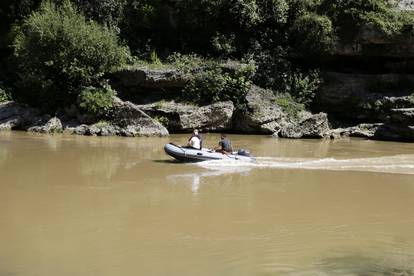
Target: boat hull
<point>194,155</point>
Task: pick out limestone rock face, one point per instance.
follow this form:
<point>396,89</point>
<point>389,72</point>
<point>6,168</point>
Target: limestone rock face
<point>180,117</point>
<point>364,98</point>
<point>126,120</point>
<point>311,126</point>
<point>52,125</point>
<point>134,122</point>
<point>403,116</point>
<point>315,126</point>
<point>260,115</point>
<point>372,41</point>
<point>144,77</point>
<point>407,5</point>
<point>399,126</point>
<point>362,131</point>
<point>133,76</point>
<point>16,116</point>
<point>395,133</point>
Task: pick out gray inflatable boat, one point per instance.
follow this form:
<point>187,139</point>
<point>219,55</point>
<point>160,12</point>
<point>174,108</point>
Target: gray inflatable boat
<point>193,155</point>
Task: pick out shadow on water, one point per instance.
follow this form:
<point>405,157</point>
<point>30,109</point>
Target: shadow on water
<point>365,266</point>
<point>172,161</point>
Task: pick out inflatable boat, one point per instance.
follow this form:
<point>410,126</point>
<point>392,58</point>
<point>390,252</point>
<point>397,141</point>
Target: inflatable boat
<point>193,155</point>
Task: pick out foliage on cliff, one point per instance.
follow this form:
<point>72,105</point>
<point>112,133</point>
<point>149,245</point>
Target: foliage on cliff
<point>287,40</point>
<point>213,85</point>
<point>58,52</point>
<point>4,96</point>
<point>92,100</point>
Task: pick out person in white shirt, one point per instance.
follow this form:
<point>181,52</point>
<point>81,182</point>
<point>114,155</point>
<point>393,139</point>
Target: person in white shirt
<point>195,140</point>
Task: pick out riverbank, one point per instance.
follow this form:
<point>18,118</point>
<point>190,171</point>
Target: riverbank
<point>329,71</point>
<point>261,114</point>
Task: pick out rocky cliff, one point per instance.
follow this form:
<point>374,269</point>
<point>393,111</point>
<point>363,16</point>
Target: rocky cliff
<point>371,81</point>
<point>356,100</point>
<point>125,119</point>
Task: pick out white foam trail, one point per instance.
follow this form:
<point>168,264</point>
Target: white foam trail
<point>400,164</point>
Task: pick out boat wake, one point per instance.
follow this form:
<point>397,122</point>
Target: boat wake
<point>399,164</point>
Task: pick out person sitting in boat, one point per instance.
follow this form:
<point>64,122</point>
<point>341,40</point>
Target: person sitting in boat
<point>195,141</point>
<point>224,145</point>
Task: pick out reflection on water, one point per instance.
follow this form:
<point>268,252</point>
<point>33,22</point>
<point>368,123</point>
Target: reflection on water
<point>196,179</point>
<point>100,164</point>
<point>119,206</point>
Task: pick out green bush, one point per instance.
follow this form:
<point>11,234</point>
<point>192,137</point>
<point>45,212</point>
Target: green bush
<point>411,98</point>
<point>276,72</point>
<point>96,100</point>
<point>224,44</point>
<point>303,86</point>
<point>213,85</point>
<point>58,52</point>
<point>349,15</point>
<point>153,58</point>
<point>187,63</point>
<point>163,120</point>
<point>4,96</point>
<point>102,124</point>
<point>289,105</point>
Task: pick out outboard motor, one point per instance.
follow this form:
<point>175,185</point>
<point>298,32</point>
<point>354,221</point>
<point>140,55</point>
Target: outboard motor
<point>243,152</point>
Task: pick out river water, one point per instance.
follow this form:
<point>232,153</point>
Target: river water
<point>73,205</point>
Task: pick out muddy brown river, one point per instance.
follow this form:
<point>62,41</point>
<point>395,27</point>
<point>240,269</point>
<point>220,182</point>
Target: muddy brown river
<point>74,205</point>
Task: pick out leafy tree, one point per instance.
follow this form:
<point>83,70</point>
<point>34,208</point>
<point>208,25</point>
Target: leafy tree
<point>11,11</point>
<point>273,68</point>
<point>312,35</point>
<point>58,52</point>
<point>107,12</point>
<point>142,25</point>
<point>349,15</point>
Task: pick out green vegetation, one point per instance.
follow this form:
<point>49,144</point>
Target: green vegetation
<point>411,98</point>
<point>4,96</point>
<point>190,62</point>
<point>63,50</point>
<point>162,120</point>
<point>313,35</point>
<point>96,100</point>
<point>185,63</point>
<point>213,85</point>
<point>102,124</point>
<point>349,15</point>
<point>58,52</point>
<point>289,105</point>
<point>303,86</point>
